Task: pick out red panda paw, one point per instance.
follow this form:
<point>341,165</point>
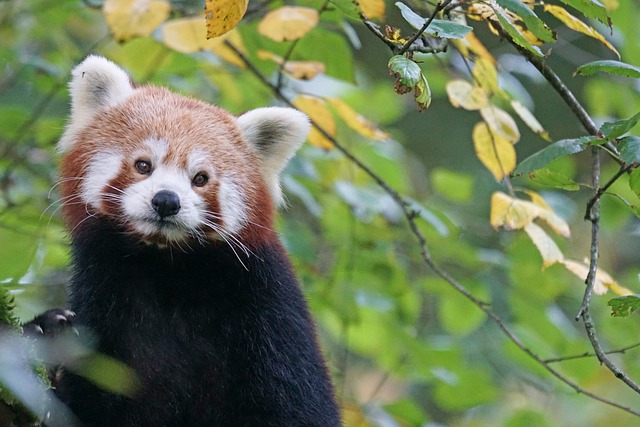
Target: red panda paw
<point>50,323</point>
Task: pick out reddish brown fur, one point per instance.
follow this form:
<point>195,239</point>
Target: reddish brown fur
<point>186,125</point>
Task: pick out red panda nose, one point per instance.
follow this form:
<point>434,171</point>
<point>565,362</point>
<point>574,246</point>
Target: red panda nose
<point>166,203</point>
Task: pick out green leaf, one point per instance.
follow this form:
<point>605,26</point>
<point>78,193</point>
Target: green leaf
<point>406,72</point>
<point>610,67</point>
<point>590,8</point>
<point>630,149</point>
<point>408,411</point>
<point>513,32</point>
<point>453,185</point>
<point>553,151</point>
<point>624,306</point>
<point>612,130</point>
<point>330,48</point>
<point>437,27</point>
<point>531,20</point>
<point>551,178</point>
<point>634,181</point>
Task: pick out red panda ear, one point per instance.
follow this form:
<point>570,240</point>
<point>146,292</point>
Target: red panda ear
<point>276,134</point>
<point>96,83</point>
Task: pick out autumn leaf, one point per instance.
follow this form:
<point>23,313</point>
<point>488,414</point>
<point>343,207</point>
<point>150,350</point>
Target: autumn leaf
<point>485,74</point>
<point>548,249</point>
<point>356,122</point>
<point>321,117</point>
<point>515,31</point>
<point>511,213</point>
<point>494,151</point>
<point>134,18</point>
<point>470,43</point>
<point>529,119</point>
<point>603,280</point>
<point>188,35</point>
<point>223,15</point>
<point>548,215</point>
<point>463,94</point>
<point>373,9</point>
<point>408,77</point>
<point>577,25</point>
<point>500,122</point>
<point>288,23</point>
<point>301,70</point>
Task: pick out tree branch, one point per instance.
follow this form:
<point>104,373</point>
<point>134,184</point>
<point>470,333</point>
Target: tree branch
<point>424,249</point>
<point>593,212</point>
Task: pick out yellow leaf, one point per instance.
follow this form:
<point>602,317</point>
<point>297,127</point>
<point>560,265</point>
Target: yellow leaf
<point>394,35</point>
<point>185,35</point>
<point>603,281</point>
<point>463,94</point>
<point>548,249</point>
<point>132,18</point>
<point>500,122</point>
<point>288,23</point>
<point>301,70</point>
<point>529,119</point>
<point>223,15</point>
<point>373,9</point>
<point>321,117</point>
<point>577,25</point>
<point>511,213</point>
<point>188,35</point>
<point>556,223</point>
<point>471,43</point>
<point>494,151</point>
<point>485,74</point>
<point>356,122</point>
<point>480,12</point>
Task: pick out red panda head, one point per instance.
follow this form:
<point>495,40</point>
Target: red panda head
<point>169,169</point>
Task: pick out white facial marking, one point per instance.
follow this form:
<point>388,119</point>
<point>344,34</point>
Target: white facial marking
<point>138,209</point>
<point>198,161</point>
<point>233,206</point>
<point>104,167</point>
<point>157,149</point>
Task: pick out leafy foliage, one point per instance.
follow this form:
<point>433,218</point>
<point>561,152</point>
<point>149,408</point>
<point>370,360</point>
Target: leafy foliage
<point>426,240</point>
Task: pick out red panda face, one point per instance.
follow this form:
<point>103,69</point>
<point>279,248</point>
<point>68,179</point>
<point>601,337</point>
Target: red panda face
<point>168,169</point>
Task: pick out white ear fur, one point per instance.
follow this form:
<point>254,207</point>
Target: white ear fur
<point>276,134</point>
<point>96,83</point>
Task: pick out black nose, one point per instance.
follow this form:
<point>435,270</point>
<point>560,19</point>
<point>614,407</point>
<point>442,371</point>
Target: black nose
<point>166,203</point>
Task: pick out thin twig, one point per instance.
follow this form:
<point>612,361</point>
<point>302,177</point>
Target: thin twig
<point>417,35</point>
<point>424,249</point>
<point>588,354</point>
<point>600,191</point>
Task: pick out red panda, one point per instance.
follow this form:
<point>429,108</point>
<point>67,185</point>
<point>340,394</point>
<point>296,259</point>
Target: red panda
<point>177,269</point>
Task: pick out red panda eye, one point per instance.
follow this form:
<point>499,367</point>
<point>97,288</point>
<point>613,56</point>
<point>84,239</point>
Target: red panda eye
<point>143,167</point>
<point>200,179</point>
